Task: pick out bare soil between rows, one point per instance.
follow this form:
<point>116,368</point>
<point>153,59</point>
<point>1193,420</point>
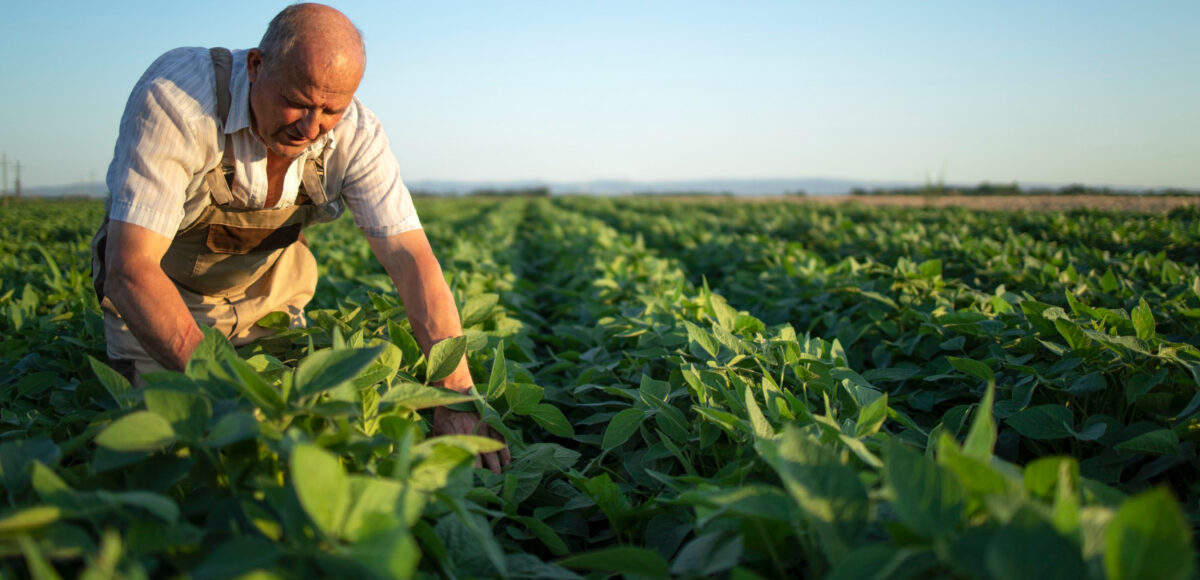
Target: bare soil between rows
<point>1127,203</point>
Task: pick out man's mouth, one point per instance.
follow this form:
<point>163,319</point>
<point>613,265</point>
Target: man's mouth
<point>294,139</point>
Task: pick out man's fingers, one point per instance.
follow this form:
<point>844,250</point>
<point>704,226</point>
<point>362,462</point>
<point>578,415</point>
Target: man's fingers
<point>493,462</point>
<point>504,455</point>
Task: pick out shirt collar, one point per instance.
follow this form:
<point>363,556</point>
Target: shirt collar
<point>239,104</point>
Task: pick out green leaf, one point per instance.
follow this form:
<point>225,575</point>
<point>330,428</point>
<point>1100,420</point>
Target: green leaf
<point>928,498</point>
<point>326,369</point>
<point>1070,331</point>
<point>187,412</point>
<point>275,321</point>
<point>235,557</point>
<point>232,428</point>
<point>871,417</point>
<point>981,439</point>
<point>545,534</point>
<point>478,309</point>
<point>622,427</point>
<point>523,398</point>
<point>552,420</point>
<point>389,552</point>
<point>439,462</point>
<point>322,487</point>
<point>974,368</point>
<point>1159,442</point>
<point>623,560</point>
<point>707,555</point>
<point>1030,549</point>
<point>499,377</point>
<point>253,387</point>
<point>39,567</point>
<point>762,427</point>
<point>405,342</point>
<point>30,518</point>
<point>159,505</point>
<point>1143,320</point>
<point>871,562</point>
<point>416,396</point>
<point>117,385</point>
<point>702,338</point>
<point>137,431</point>
<point>1043,474</point>
<point>370,496</point>
<point>828,492</point>
<point>445,357</point>
<point>1088,384</point>
<point>1108,282</point>
<point>1149,538</point>
<point>1043,422</point>
<point>471,443</point>
<point>16,456</point>
<point>1141,383</point>
<point>977,475</point>
<point>755,501</point>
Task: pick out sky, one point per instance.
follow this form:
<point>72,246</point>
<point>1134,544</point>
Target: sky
<point>1098,92</point>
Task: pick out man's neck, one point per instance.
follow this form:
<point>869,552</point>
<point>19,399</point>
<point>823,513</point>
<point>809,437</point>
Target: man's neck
<point>277,168</point>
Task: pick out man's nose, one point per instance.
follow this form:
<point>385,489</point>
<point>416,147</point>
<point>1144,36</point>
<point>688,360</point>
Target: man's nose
<point>310,124</point>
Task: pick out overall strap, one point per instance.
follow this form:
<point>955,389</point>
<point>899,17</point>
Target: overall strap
<point>314,179</point>
<point>218,186</point>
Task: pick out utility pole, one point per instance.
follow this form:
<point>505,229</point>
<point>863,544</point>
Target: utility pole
<point>18,187</point>
<point>4,182</point>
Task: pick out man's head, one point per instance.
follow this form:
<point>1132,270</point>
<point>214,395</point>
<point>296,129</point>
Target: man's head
<point>303,76</point>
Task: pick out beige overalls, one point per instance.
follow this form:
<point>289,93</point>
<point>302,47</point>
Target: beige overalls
<point>233,265</point>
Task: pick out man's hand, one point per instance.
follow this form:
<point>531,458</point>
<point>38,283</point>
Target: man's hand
<point>447,422</point>
<point>431,310</point>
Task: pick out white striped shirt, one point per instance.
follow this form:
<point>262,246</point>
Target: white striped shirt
<point>168,141</point>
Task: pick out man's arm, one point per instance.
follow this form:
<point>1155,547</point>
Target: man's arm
<point>146,298</point>
<point>410,263</point>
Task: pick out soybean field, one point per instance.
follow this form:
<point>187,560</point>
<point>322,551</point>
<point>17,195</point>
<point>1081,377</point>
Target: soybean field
<point>689,388</point>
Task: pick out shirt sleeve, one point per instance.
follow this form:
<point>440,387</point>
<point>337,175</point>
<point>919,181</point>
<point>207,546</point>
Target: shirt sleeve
<point>159,144</point>
<point>372,187</point>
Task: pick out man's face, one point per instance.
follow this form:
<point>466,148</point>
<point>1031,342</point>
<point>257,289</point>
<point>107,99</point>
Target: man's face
<point>293,103</point>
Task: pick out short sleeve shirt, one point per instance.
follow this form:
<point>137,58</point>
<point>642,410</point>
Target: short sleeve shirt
<point>170,137</point>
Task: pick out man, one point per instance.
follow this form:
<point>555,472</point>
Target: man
<point>222,159</point>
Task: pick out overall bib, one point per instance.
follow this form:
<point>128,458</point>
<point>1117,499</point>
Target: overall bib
<point>233,265</point>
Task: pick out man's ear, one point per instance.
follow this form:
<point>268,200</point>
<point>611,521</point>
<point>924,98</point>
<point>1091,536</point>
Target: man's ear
<point>254,61</point>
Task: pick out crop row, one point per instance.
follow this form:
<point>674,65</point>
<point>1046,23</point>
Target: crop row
<point>688,389</point>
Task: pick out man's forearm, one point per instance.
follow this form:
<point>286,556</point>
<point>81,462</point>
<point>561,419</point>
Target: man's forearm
<point>410,263</point>
<point>434,318</point>
<point>151,306</point>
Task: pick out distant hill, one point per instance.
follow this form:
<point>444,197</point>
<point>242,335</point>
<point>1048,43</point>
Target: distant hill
<point>781,186</point>
<point>93,189</point>
<point>811,186</point>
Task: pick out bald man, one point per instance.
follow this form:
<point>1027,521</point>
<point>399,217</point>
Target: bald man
<point>222,159</point>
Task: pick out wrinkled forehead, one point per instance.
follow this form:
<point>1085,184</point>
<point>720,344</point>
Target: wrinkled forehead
<point>327,71</point>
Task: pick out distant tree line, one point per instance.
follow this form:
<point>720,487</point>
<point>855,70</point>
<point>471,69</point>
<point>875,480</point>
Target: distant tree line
<point>511,192</point>
<point>987,188</point>
<point>487,192</point>
<point>683,193</point>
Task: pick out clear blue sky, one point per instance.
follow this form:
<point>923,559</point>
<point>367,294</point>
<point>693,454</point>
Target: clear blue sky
<point>1036,92</point>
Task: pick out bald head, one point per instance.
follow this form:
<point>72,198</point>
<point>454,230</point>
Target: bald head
<point>303,77</point>
<point>314,37</point>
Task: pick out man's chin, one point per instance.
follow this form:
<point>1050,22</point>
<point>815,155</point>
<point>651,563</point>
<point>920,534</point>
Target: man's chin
<point>289,151</point>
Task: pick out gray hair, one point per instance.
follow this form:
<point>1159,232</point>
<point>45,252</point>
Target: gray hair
<point>284,32</point>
